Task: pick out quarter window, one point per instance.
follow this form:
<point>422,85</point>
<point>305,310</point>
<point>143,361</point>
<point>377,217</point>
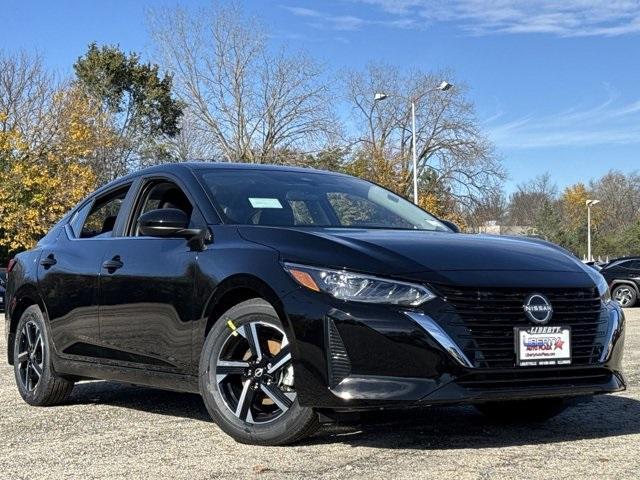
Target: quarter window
<point>78,219</point>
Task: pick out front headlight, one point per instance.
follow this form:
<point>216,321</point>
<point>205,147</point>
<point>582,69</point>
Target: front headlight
<point>357,287</point>
<point>603,289</point>
<point>601,283</point>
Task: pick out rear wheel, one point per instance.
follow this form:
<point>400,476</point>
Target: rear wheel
<point>247,378</point>
<point>523,411</point>
<point>625,295</point>
<point>37,382</point>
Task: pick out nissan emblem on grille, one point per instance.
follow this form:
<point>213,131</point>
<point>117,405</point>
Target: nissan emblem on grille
<point>538,309</point>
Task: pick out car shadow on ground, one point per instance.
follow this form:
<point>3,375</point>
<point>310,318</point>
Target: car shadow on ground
<point>454,427</point>
<point>464,427</point>
<point>144,399</point>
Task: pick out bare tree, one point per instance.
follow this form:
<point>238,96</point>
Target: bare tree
<point>530,198</point>
<point>26,98</point>
<point>490,208</point>
<point>194,141</point>
<point>620,196</point>
<point>252,102</point>
<point>450,146</point>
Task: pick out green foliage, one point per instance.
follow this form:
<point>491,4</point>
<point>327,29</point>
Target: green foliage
<point>331,158</point>
<point>625,241</point>
<point>549,224</point>
<point>130,89</point>
<point>615,221</point>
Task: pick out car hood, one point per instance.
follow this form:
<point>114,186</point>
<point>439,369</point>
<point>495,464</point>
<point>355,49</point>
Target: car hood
<point>400,252</point>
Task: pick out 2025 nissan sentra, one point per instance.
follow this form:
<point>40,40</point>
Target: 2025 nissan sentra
<point>287,297</point>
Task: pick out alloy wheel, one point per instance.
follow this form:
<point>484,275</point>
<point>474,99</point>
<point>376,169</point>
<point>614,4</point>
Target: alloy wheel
<point>624,296</point>
<point>254,373</point>
<point>30,356</point>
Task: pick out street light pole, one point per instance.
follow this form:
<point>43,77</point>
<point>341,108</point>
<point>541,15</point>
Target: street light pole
<point>443,87</point>
<point>589,233</point>
<point>590,203</point>
<point>415,153</point>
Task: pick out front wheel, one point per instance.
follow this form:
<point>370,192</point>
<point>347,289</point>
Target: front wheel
<point>247,378</point>
<point>37,382</point>
<point>625,295</point>
<point>523,411</point>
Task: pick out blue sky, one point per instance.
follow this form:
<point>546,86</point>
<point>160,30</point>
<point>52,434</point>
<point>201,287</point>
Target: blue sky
<point>556,83</point>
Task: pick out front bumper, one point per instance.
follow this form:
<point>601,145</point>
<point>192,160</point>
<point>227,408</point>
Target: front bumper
<point>352,356</point>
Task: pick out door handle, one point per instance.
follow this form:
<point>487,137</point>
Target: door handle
<point>48,261</point>
<point>113,264</point>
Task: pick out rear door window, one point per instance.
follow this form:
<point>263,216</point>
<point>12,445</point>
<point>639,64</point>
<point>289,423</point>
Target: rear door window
<point>102,217</point>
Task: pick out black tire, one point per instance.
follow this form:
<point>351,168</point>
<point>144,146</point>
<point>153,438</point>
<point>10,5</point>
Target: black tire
<point>37,382</point>
<point>290,423</point>
<point>523,411</point>
<point>625,295</point>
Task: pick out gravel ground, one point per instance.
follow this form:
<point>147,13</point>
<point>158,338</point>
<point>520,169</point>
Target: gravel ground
<point>110,430</point>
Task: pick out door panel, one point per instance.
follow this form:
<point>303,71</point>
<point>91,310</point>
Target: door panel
<point>68,274</point>
<point>68,282</point>
<point>146,301</point>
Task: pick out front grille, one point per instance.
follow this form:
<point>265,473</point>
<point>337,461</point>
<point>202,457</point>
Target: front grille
<point>483,326</point>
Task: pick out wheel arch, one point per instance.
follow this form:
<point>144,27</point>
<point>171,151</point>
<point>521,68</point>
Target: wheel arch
<point>631,283</point>
<point>237,289</point>
<point>26,296</point>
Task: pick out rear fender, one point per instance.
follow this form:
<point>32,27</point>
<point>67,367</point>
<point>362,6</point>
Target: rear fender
<point>23,298</point>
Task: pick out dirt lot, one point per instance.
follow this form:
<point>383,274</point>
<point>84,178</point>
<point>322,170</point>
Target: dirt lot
<point>113,431</point>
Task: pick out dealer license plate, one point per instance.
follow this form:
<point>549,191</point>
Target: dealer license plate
<point>538,346</point>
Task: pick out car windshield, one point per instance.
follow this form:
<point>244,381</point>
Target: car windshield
<point>309,199</point>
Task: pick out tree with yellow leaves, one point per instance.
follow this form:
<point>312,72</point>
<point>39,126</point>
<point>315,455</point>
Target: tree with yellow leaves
<point>573,202</point>
<point>39,183</point>
<point>34,196</point>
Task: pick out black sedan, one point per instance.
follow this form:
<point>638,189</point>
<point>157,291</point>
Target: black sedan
<point>623,276</point>
<point>3,284</point>
<point>287,297</point>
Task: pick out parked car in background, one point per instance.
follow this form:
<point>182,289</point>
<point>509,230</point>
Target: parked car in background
<point>287,297</point>
<point>595,265</point>
<point>3,286</point>
<point>623,277</point>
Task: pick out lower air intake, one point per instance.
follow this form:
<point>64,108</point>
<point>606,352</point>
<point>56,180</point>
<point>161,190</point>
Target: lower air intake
<point>338,364</point>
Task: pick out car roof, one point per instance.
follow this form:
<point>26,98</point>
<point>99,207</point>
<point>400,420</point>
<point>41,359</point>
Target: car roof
<point>200,166</point>
<point>249,166</point>
<point>621,259</point>
<point>617,261</point>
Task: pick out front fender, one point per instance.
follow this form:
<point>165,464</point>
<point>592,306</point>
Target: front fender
<point>631,283</point>
<point>223,280</point>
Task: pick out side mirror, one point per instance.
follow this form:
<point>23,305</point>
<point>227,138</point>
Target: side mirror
<point>165,222</point>
<point>451,225</point>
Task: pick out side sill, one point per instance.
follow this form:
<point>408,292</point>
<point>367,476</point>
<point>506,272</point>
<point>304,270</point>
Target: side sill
<point>138,376</point>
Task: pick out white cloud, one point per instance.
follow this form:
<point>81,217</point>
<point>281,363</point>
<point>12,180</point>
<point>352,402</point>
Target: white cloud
<point>304,12</point>
<point>347,22</point>
<point>607,123</point>
<point>566,18</point>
